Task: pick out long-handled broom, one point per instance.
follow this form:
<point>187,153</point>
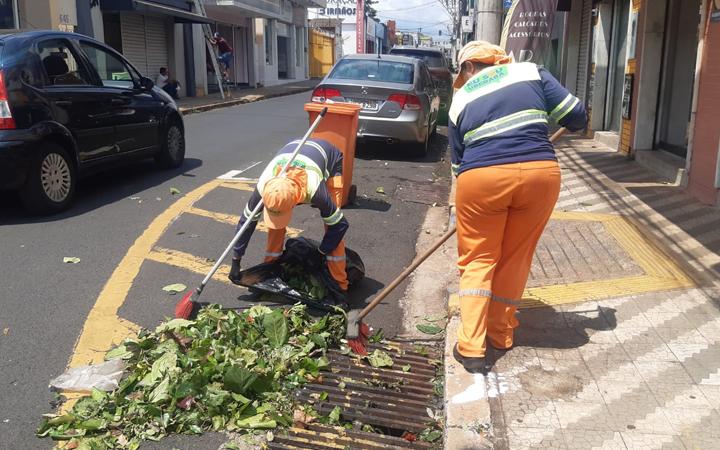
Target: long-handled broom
<point>358,332</point>
<point>187,307</point>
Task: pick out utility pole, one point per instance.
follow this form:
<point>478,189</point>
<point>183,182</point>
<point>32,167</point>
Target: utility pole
<point>489,20</point>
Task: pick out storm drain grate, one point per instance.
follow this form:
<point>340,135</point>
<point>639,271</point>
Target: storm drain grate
<point>393,400</point>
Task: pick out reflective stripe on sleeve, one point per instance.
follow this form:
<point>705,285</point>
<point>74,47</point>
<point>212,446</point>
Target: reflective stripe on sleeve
<point>488,294</point>
<point>334,218</point>
<point>335,258</point>
<point>247,212</point>
<point>273,255</point>
<point>511,122</point>
<point>567,110</point>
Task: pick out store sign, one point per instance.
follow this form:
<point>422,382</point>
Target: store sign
<point>467,24</point>
<point>627,96</point>
<point>339,8</point>
<point>528,30</point>
<point>360,27</point>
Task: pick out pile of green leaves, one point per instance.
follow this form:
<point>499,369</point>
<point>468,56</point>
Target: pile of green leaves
<point>224,371</point>
<point>307,284</point>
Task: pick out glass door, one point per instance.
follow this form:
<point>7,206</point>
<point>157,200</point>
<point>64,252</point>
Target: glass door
<point>616,65</point>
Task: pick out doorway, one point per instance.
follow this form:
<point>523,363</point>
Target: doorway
<point>677,76</point>
<point>616,65</point>
<point>283,66</point>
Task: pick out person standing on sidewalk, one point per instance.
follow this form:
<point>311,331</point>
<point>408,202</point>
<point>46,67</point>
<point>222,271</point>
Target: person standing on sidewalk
<point>508,181</point>
<point>315,177</point>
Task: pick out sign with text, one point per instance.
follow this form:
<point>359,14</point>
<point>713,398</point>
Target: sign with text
<point>528,30</point>
<point>467,24</point>
<point>360,27</point>
<point>339,8</point>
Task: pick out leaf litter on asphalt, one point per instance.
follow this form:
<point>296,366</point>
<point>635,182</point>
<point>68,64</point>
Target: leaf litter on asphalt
<point>71,260</point>
<point>225,371</point>
<point>173,289</point>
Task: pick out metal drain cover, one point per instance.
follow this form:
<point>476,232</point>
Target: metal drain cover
<point>391,400</point>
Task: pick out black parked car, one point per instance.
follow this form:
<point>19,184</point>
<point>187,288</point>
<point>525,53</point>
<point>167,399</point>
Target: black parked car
<point>70,105</point>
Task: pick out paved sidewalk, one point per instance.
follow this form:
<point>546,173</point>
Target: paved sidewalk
<point>619,342</point>
<point>189,105</point>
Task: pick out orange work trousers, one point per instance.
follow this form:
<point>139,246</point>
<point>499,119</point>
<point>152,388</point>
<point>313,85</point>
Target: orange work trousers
<point>335,259</point>
<point>501,213</point>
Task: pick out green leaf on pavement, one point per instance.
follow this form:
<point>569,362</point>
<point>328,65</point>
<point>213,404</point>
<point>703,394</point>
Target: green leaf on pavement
<point>239,380</point>
<point>173,325</point>
<point>406,368</point>
<point>174,191</point>
<point>71,260</point>
<point>256,422</point>
<point>334,415</point>
<point>429,329</point>
<point>380,190</point>
<point>275,328</point>
<point>379,358</point>
<point>173,289</point>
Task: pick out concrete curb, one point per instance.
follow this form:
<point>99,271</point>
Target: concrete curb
<point>240,101</point>
<point>467,407</point>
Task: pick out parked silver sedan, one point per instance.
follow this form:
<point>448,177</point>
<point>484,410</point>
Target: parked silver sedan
<point>398,96</point>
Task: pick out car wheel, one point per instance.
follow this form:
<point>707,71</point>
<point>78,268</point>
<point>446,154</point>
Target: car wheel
<point>50,185</point>
<point>172,152</point>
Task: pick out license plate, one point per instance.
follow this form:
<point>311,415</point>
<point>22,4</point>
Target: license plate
<point>367,105</point>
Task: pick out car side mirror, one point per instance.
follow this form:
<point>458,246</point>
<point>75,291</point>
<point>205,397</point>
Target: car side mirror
<point>146,83</point>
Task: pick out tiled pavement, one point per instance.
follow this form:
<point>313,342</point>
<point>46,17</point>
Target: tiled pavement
<point>602,369</point>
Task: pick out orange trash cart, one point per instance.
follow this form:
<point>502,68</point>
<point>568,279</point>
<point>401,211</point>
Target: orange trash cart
<point>339,127</point>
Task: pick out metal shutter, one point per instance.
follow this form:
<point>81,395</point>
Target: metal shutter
<point>157,48</point>
<point>132,28</point>
<point>583,71</point>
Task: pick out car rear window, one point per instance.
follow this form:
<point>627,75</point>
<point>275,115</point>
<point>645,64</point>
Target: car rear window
<point>432,59</point>
<point>373,70</point>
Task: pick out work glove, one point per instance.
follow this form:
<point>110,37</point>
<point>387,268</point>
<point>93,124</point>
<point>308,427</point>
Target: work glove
<point>234,275</point>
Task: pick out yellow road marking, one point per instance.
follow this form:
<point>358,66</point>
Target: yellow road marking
<point>239,185</point>
<point>189,262</point>
<point>232,219</point>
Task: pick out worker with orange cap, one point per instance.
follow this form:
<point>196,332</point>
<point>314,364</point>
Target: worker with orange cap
<point>508,181</point>
<point>315,177</point>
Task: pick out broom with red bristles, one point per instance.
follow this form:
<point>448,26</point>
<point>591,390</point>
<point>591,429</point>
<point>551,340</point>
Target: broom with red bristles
<point>188,307</point>
<point>358,332</point>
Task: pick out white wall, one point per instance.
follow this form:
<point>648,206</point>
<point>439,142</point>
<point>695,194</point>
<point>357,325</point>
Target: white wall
<point>349,35</point>
<point>201,85</point>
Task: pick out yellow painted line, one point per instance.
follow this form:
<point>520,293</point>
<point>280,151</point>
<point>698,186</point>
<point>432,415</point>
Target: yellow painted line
<point>232,219</point>
<point>103,328</point>
<point>240,185</point>
<point>189,262</point>
<point>582,216</point>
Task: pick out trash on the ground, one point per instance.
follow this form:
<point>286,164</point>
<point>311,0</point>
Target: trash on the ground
<point>6,331</point>
<point>406,368</point>
<point>225,371</point>
<point>380,190</point>
<point>71,260</point>
<point>174,191</point>
<point>103,377</point>
<point>379,358</point>
<point>410,437</point>
<point>158,199</point>
<point>429,328</point>
<point>173,289</point>
<point>435,318</point>
<point>134,198</point>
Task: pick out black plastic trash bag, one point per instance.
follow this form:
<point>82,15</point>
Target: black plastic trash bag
<point>271,278</point>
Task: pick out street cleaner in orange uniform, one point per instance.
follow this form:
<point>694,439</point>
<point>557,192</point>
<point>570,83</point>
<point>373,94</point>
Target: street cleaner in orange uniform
<point>508,181</point>
<point>315,177</point>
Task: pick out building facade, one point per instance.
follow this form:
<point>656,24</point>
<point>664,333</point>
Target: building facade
<point>648,73</point>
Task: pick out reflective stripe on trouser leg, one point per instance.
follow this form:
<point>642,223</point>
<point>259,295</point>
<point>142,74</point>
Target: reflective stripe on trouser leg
<point>275,243</point>
<point>336,265</point>
<point>528,215</point>
<point>336,258</point>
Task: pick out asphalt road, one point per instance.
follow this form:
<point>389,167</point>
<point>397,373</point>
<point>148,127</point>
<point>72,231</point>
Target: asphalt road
<point>45,303</point>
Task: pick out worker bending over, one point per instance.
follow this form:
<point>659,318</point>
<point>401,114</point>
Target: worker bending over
<point>314,177</point>
<point>508,181</point>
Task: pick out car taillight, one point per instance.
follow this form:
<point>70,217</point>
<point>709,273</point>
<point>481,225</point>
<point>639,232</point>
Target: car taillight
<point>6,119</point>
<point>321,95</point>
<point>406,101</point>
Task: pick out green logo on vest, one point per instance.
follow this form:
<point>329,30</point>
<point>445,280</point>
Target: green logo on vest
<point>486,78</point>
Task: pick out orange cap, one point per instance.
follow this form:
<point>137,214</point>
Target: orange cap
<point>482,52</point>
<point>280,195</point>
